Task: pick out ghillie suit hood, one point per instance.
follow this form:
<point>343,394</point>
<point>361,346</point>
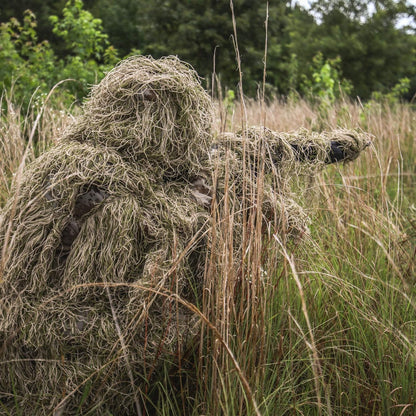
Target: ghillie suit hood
<point>113,224</point>
<point>152,112</point>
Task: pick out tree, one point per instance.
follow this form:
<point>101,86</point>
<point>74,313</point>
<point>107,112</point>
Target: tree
<point>36,66</point>
<point>201,31</point>
<point>364,38</point>
<point>42,9</point>
<point>375,54</point>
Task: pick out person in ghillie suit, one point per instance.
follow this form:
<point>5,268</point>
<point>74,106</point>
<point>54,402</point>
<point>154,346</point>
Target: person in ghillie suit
<point>116,216</point>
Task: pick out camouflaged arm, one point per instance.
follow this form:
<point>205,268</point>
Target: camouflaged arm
<point>338,146</point>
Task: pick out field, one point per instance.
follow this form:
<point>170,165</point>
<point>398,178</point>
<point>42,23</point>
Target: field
<point>320,325</point>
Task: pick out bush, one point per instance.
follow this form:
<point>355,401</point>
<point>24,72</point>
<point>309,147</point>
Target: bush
<point>31,68</point>
<point>325,82</point>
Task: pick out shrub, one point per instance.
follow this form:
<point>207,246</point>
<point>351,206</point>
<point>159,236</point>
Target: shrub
<point>31,67</point>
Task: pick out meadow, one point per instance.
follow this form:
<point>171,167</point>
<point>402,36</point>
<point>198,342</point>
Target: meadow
<point>319,325</point>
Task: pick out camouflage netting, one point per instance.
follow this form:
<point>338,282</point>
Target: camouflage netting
<point>124,198</point>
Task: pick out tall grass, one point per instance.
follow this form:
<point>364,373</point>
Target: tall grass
<point>322,326</point>
<point>16,127</point>
<point>325,326</point>
<point>338,310</point>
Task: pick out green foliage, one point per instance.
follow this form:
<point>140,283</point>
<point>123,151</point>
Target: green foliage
<point>374,52</point>
<point>31,68</point>
<point>82,33</point>
<point>201,33</point>
<point>366,47</point>
<point>229,101</point>
<point>379,101</point>
<point>29,64</point>
<point>396,94</point>
<point>325,82</point>
<point>228,105</point>
<point>41,8</point>
<point>89,53</point>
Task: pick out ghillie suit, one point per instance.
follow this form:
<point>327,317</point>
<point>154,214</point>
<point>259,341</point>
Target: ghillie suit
<point>111,203</point>
<point>114,218</point>
<point>258,156</point>
<point>258,176</point>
